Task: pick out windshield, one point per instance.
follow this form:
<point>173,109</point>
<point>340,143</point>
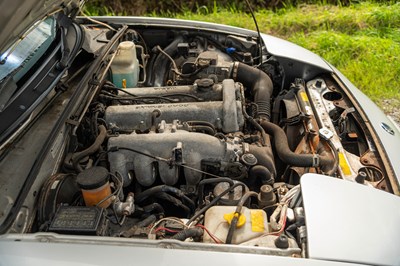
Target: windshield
<point>25,53</point>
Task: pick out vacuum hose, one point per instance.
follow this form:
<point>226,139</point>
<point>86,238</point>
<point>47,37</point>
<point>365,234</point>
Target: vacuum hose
<point>262,173</point>
<point>76,157</point>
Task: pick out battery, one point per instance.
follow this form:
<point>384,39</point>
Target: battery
<point>79,220</point>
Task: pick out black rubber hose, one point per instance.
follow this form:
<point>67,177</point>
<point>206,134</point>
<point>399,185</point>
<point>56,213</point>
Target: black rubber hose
<point>154,207</point>
<point>167,189</point>
<point>147,221</point>
<point>200,123</point>
<point>143,223</point>
<point>76,157</point>
<point>264,157</point>
<point>284,152</point>
<point>238,211</point>
<point>205,129</point>
<point>260,84</point>
<point>161,62</point>
<point>214,201</point>
<point>178,203</point>
<point>204,182</point>
<point>259,172</point>
<point>190,232</point>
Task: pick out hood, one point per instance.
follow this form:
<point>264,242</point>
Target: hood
<point>16,17</point>
<point>340,218</point>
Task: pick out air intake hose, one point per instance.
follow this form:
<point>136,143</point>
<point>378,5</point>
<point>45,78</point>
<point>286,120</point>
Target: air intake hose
<point>260,84</point>
<point>160,64</point>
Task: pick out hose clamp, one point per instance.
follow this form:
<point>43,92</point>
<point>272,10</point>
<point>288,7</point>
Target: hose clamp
<point>235,70</point>
<point>315,160</point>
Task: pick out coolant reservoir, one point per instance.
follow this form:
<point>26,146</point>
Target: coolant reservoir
<point>125,66</point>
<point>254,223</point>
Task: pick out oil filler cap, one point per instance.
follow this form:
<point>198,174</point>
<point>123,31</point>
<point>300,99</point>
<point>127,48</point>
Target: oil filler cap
<point>204,83</point>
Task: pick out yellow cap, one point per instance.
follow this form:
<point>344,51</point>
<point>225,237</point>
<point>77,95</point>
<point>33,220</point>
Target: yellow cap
<point>229,216</point>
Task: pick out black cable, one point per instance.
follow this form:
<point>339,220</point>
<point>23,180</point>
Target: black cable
<point>214,201</point>
<point>137,98</point>
<point>114,149</point>
<point>235,218</point>
<point>182,95</point>
<point>170,162</point>
<point>258,30</point>
<point>164,97</point>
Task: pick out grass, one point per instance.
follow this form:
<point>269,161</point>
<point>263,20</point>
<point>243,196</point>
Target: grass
<point>361,40</point>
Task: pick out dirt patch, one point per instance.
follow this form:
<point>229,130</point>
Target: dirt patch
<point>391,107</point>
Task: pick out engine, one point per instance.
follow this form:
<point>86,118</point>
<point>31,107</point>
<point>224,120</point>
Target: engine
<point>195,140</point>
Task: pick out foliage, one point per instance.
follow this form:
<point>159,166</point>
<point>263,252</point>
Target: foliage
<point>361,40</point>
<point>141,7</point>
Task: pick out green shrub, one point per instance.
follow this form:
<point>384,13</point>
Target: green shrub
<point>361,40</point>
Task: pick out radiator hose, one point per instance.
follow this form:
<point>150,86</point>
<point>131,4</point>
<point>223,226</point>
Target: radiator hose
<point>262,88</point>
<point>284,152</point>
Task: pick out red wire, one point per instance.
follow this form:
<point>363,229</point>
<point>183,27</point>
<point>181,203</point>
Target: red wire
<point>165,229</point>
<point>282,228</point>
<point>213,237</point>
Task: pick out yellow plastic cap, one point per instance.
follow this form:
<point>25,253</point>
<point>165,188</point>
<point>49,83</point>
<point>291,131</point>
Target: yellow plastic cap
<point>229,216</point>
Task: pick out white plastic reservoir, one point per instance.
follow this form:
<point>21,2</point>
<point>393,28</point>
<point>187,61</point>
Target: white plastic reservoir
<point>125,66</point>
<point>254,224</point>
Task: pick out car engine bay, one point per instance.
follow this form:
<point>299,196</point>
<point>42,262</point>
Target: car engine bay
<point>199,136</point>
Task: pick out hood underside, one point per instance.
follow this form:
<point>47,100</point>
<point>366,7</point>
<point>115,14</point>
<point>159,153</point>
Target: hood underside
<point>17,17</point>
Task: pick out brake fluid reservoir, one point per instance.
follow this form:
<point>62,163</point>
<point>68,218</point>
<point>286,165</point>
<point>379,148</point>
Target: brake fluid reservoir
<point>95,186</point>
<point>125,66</point>
<point>254,223</point>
